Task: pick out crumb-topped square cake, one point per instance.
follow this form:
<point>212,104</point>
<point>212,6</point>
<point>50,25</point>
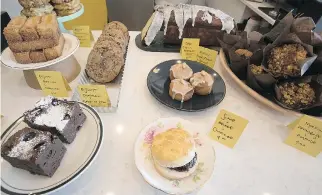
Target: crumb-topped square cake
<point>60,117</point>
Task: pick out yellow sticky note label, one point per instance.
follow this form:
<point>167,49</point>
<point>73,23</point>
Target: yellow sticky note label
<point>228,128</point>
<point>94,95</point>
<point>52,83</point>
<point>306,136</point>
<point>207,56</point>
<point>189,49</point>
<point>294,123</point>
<point>83,33</point>
<point>147,26</point>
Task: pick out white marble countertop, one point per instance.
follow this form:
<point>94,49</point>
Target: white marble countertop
<point>255,5</point>
<point>260,163</point>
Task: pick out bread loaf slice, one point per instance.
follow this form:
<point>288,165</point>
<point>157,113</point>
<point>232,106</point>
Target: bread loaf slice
<point>117,25</point>
<point>48,27</point>
<point>41,43</point>
<point>55,52</point>
<point>22,57</point>
<point>37,56</point>
<point>28,31</point>
<point>104,63</point>
<point>11,32</point>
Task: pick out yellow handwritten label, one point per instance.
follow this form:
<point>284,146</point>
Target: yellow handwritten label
<point>52,83</point>
<point>94,95</point>
<point>189,49</point>
<point>294,123</point>
<point>83,33</point>
<point>228,128</point>
<point>147,26</point>
<point>207,56</point>
<point>306,135</point>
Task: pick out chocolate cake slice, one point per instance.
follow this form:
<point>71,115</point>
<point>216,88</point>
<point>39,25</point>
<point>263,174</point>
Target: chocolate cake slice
<point>36,151</point>
<point>60,117</point>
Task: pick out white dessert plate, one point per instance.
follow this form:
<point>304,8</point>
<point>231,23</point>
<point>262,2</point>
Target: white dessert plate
<point>144,161</point>
<point>79,155</point>
<point>70,46</point>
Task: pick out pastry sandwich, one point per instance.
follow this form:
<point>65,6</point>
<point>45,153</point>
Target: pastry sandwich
<point>36,7</point>
<point>66,7</point>
<point>174,154</point>
<point>34,39</point>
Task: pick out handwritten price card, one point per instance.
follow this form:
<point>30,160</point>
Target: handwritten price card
<point>94,95</point>
<point>189,49</point>
<point>53,83</point>
<point>228,128</point>
<point>84,34</point>
<point>207,56</point>
<point>306,135</point>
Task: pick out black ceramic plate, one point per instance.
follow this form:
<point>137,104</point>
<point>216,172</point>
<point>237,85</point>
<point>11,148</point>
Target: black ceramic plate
<point>158,82</point>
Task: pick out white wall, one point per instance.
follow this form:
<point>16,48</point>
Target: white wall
<point>234,8</point>
<point>11,6</point>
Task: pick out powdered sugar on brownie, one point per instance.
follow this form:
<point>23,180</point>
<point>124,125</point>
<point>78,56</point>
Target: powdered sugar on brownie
<point>55,115</point>
<point>24,150</point>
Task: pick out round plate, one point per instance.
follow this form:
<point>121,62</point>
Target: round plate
<point>70,46</point>
<point>79,155</point>
<point>158,82</point>
<point>144,160</point>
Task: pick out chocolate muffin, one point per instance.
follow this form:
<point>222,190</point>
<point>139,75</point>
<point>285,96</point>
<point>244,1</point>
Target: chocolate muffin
<point>283,60</point>
<point>296,95</point>
<point>36,151</point>
<point>60,117</point>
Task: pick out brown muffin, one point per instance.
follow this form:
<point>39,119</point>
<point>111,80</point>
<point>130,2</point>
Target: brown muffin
<point>202,83</point>
<point>283,60</point>
<point>180,71</point>
<point>297,95</point>
<point>181,90</point>
<point>257,69</point>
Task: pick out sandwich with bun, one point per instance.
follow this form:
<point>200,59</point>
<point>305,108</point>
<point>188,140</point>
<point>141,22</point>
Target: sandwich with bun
<point>174,154</point>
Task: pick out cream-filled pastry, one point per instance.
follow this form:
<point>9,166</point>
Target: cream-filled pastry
<point>180,71</point>
<point>181,90</point>
<point>202,82</point>
<point>174,154</point>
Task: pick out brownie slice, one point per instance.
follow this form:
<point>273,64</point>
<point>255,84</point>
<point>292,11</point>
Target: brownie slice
<point>35,151</point>
<point>60,117</point>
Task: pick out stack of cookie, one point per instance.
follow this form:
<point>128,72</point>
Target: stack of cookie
<point>66,7</point>
<point>36,7</point>
<point>107,58</point>
<point>34,39</point>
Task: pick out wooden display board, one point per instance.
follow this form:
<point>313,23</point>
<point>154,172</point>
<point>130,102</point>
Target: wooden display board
<point>95,15</point>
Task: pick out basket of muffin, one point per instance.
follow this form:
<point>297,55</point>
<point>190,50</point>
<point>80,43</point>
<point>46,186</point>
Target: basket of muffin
<point>184,83</point>
<point>283,65</point>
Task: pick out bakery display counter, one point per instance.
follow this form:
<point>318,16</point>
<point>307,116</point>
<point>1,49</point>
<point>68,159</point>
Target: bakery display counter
<point>260,163</point>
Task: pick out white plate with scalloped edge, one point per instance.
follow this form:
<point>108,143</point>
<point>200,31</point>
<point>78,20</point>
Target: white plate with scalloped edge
<point>144,161</point>
<point>78,157</point>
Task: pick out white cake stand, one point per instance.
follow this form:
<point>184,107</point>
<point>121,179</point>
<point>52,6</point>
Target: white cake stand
<point>66,63</point>
<point>62,19</point>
